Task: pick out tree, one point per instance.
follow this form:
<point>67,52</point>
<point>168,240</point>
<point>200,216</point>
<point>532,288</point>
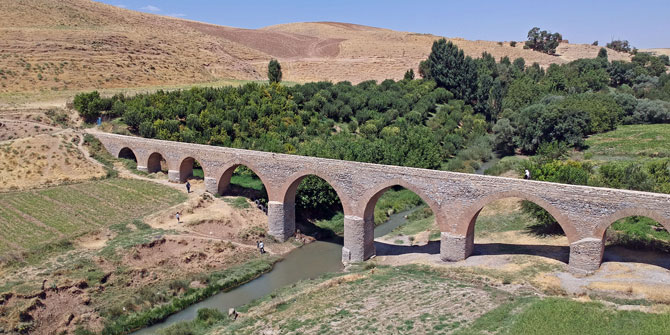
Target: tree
<point>424,69</point>
<point>451,69</point>
<point>274,71</point>
<point>602,53</point>
<point>540,123</point>
<point>619,45</point>
<point>89,105</point>
<point>409,75</point>
<point>543,41</point>
<point>504,136</point>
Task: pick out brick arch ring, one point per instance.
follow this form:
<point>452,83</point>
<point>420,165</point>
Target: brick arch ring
<point>288,190</point>
<point>472,212</point>
<point>605,223</point>
<point>370,198</point>
<point>228,170</point>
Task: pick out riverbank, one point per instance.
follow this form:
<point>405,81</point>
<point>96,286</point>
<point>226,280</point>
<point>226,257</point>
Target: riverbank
<point>421,299</point>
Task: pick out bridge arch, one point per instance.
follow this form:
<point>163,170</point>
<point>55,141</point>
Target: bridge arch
<point>154,162</point>
<point>186,166</point>
<point>127,153</point>
<point>281,214</point>
<point>602,226</point>
<point>223,180</point>
<point>471,213</point>
<point>290,188</point>
<point>371,197</point>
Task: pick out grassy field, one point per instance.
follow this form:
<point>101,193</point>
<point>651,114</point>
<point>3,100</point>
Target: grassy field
<point>649,140</point>
<point>418,300</point>
<point>29,220</point>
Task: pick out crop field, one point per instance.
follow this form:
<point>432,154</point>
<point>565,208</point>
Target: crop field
<point>648,140</point>
<point>30,219</point>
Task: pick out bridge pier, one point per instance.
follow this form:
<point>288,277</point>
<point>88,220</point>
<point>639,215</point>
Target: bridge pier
<point>359,239</point>
<point>454,247</point>
<point>211,185</point>
<point>173,176</point>
<point>586,255</point>
<point>281,220</point>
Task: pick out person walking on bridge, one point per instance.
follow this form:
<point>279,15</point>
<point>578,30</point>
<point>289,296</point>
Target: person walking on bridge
<point>188,187</point>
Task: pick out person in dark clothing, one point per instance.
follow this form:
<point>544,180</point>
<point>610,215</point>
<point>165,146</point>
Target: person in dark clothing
<point>188,187</point>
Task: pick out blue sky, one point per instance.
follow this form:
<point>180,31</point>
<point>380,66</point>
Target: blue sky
<point>645,23</point>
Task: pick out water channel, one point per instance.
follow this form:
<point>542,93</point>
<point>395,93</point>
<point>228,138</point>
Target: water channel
<point>309,261</point>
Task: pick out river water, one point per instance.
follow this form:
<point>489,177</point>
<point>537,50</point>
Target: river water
<point>308,261</point>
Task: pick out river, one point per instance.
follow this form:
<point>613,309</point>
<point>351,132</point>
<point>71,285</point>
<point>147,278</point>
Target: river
<point>308,261</point>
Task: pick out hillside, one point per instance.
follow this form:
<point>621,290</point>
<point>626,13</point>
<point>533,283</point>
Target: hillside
<point>80,44</point>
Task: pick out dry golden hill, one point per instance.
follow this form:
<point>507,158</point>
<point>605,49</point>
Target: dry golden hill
<point>80,44</point>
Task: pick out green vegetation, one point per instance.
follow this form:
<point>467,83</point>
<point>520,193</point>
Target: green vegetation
<point>631,141</point>
<point>274,71</point>
<point>205,318</point>
<point>218,281</point>
<point>543,41</point>
<point>238,202</point>
<point>565,316</point>
<point>394,200</point>
<point>619,45</point>
<point>332,304</point>
<point>38,220</point>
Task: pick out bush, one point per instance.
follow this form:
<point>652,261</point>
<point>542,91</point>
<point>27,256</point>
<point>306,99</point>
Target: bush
<point>650,111</point>
<point>512,44</point>
<point>209,316</point>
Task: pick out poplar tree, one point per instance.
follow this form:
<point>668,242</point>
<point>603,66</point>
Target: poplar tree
<point>274,71</point>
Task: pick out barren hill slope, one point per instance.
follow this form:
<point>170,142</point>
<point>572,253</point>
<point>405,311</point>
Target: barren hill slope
<point>81,44</point>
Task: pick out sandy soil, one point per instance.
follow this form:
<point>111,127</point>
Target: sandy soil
<point>58,46</point>
<point>44,160</point>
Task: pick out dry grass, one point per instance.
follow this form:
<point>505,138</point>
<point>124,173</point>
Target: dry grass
<point>61,46</point>
<point>43,160</point>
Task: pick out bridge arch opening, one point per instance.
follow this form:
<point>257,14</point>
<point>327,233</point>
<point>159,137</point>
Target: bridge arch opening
<point>241,180</point>
<point>127,153</point>
<point>319,211</point>
<point>157,163</point>
<point>517,224</point>
<point>190,168</point>
<point>642,237</point>
<point>408,218</point>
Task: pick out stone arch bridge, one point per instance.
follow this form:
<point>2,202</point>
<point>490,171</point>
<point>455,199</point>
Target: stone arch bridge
<point>583,212</point>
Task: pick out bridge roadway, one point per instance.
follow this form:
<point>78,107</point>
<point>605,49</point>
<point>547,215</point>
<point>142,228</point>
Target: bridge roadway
<point>583,212</point>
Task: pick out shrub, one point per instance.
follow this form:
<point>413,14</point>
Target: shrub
<point>209,316</point>
<point>650,111</point>
<point>512,44</point>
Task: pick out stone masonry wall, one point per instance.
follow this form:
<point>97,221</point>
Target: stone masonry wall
<point>456,198</point>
